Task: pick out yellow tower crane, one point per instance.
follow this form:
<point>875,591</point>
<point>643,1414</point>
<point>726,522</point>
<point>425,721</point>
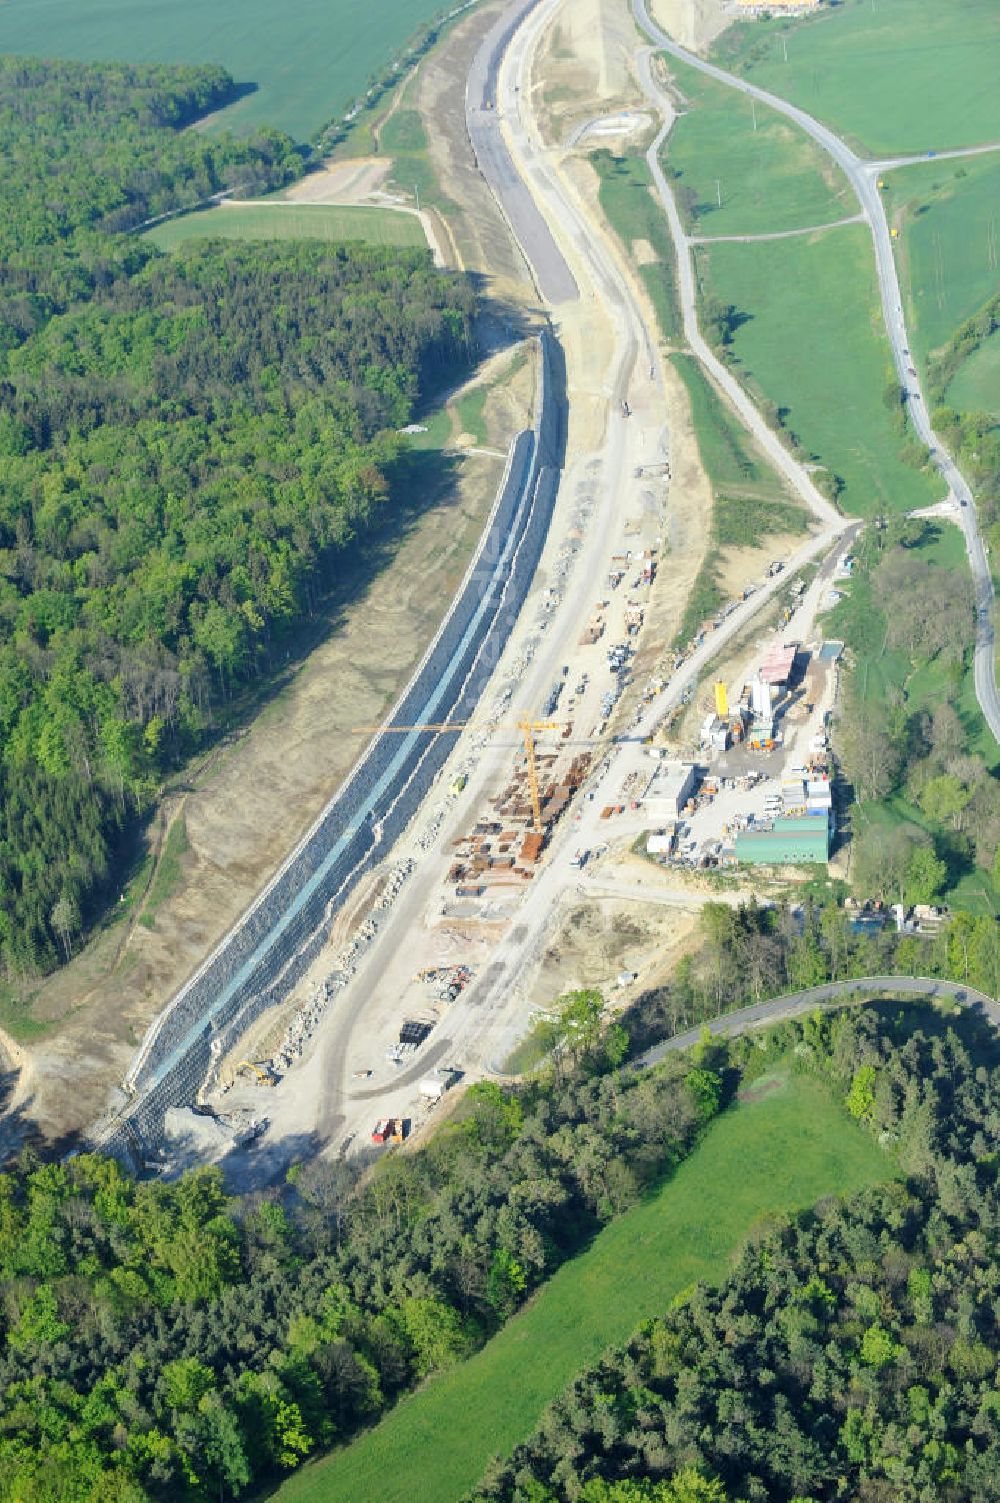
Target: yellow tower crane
<point>525,726</point>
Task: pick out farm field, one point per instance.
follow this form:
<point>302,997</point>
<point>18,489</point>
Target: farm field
<point>769,179</point>
<point>309,60</point>
<point>947,250</point>
<point>910,75</point>
<point>783,1148</point>
<point>279,221</point>
<point>810,337</point>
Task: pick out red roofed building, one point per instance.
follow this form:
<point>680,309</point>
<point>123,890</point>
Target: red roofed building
<point>778,665</point>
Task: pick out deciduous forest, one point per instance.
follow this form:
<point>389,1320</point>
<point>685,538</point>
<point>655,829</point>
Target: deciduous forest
<point>852,1353</point>
<point>188,447</point>
<point>163,1342</point>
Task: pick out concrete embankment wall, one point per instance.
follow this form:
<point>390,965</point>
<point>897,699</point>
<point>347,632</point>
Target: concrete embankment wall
<point>268,951</point>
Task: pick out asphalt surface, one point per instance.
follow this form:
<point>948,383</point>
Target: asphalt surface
<point>818,996</point>
<point>553,278</point>
<point>863,177</point>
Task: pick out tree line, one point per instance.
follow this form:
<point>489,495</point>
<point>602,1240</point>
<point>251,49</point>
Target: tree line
<point>190,445</point>
<point>912,748</point>
<point>852,1351</point>
<point>161,1341</point>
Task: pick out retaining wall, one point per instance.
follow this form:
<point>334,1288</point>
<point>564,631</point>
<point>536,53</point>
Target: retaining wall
<point>269,950</point>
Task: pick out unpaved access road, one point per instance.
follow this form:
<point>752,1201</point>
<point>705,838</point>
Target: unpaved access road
<point>609,357</point>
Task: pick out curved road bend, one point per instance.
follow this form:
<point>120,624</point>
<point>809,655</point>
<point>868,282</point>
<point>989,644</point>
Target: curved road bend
<point>863,177</point>
<point>793,1003</point>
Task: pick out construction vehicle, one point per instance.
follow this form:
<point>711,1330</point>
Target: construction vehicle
<point>527,728</point>
<point>261,1069</point>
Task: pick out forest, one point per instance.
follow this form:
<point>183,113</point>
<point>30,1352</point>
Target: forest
<point>189,448</point>
<point>852,1352</point>
<point>908,738</point>
<point>161,1341</point>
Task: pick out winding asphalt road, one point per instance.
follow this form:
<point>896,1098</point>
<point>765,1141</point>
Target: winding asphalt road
<point>863,177</point>
<point>818,996</point>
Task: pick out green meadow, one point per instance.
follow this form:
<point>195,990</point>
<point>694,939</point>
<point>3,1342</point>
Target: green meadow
<point>278,221</point>
<point>783,1148</point>
<point>810,339</point>
<point>733,179</point>
<point>892,75</point>
<point>948,252</point>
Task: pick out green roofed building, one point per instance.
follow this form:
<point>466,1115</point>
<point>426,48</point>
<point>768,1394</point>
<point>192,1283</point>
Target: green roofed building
<point>788,842</point>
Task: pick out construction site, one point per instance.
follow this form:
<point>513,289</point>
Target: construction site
<point>552,750</point>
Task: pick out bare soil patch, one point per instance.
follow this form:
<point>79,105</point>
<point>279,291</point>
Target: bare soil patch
<point>341,182</point>
<point>739,567</point>
<point>596,938</point>
<point>693,23</point>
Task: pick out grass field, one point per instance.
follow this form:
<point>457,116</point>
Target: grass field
<point>771,178</point>
<point>749,501</point>
<point>168,873</point>
<point>947,216</point>
<point>813,343</point>
<point>628,204</point>
<point>280,221</point>
<point>309,60</point>
<point>783,1149</point>
<point>729,457</point>
<point>404,138</point>
<point>976,386</point>
<point>896,75</point>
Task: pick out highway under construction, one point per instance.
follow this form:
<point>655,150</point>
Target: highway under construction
<point>422,899</point>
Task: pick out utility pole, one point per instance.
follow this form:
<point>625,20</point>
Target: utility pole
<point>784,45</point>
<point>718,192</point>
<point>416,189</point>
<point>753,108</point>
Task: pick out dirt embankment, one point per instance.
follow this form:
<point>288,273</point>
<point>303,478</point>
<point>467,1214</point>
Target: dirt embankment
<point>693,23</point>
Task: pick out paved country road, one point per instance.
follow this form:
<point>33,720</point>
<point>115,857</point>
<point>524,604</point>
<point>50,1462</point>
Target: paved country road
<point>793,1003</point>
<point>863,177</point>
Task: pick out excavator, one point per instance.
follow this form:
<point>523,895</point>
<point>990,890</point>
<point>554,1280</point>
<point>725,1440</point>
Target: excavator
<point>261,1069</point>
